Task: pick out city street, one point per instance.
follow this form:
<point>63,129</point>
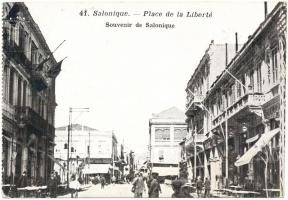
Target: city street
<point>117,190</point>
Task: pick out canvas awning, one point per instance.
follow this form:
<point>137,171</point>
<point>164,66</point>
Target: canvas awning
<point>257,147</point>
<point>166,171</point>
<point>96,169</point>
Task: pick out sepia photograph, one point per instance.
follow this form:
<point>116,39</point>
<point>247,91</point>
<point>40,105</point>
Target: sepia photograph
<point>143,99</point>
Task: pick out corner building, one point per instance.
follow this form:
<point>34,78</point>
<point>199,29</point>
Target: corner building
<point>28,103</point>
<point>243,126</point>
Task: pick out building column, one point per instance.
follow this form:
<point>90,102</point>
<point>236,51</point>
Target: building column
<point>206,171</point>
<point>24,160</point>
<point>9,158</point>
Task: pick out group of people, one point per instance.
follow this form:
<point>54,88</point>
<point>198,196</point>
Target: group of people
<point>182,189</point>
<point>138,185</point>
<point>52,184</point>
<point>200,185</point>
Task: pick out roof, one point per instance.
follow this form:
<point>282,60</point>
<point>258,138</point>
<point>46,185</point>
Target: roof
<point>34,26</point>
<point>249,43</point>
<point>77,127</point>
<point>219,55</point>
<point>170,113</point>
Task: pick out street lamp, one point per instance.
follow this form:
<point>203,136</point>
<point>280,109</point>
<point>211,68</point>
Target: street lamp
<point>70,133</point>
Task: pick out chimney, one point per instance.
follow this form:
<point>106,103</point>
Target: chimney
<point>236,42</point>
<point>226,54</point>
<point>265,9</point>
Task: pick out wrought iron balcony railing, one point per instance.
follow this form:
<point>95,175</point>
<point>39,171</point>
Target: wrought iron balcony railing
<point>26,116</point>
<point>254,100</point>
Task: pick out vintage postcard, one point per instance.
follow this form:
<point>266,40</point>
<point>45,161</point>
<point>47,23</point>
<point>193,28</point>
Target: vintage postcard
<point>144,99</point>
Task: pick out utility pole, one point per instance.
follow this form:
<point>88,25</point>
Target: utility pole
<point>89,154</point>
<point>195,153</point>
<point>69,133</point>
<point>68,145</point>
<point>112,153</point>
<point>226,146</point>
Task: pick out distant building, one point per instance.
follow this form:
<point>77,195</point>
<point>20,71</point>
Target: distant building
<point>91,151</point>
<point>166,130</point>
<point>28,98</point>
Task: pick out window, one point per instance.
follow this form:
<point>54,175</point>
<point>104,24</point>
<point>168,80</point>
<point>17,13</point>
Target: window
<point>251,77</point>
<point>180,134</point>
<point>33,53</point>
<point>161,155</point>
<point>19,95</point>
<point>65,146</point>
<point>274,66</point>
<point>227,99</point>
<point>24,93</point>
<point>22,38</point>
<point>5,83</point>
<point>232,94</point>
<point>244,84</point>
<point>11,87</point>
<point>162,134</point>
<point>259,77</point>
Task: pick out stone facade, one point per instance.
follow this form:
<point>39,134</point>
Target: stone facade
<point>28,102</point>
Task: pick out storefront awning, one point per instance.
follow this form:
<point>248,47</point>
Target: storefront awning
<point>96,169</point>
<point>166,171</point>
<point>257,147</point>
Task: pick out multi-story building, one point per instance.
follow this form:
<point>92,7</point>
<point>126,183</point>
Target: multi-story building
<point>28,102</point>
<point>166,130</point>
<point>241,126</point>
<point>214,60</point>
<point>91,151</point>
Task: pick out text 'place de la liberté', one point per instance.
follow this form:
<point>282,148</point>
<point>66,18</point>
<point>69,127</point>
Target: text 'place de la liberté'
<point>227,141</point>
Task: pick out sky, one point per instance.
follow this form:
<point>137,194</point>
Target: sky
<point>125,74</point>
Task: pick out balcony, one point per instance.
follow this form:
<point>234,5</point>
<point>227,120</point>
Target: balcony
<point>191,101</point>
<point>249,103</point>
<point>28,117</point>
<point>38,80</point>
<point>12,50</point>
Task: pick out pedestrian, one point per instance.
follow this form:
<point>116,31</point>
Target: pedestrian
<point>102,181</point>
<point>176,186</point>
<point>207,186</point>
<point>139,186</point>
<point>74,185</point>
<point>58,181</point>
<point>185,191</point>
<point>113,179</point>
<point>52,186</point>
<point>154,189</point>
<point>148,181</point>
<point>23,182</point>
<point>199,185</point>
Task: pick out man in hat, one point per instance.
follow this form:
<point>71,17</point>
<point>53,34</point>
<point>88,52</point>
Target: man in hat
<point>207,186</point>
<point>176,186</point>
<point>154,189</point>
<point>199,185</point>
<point>23,182</point>
<point>52,185</point>
<point>186,191</point>
<point>139,186</point>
